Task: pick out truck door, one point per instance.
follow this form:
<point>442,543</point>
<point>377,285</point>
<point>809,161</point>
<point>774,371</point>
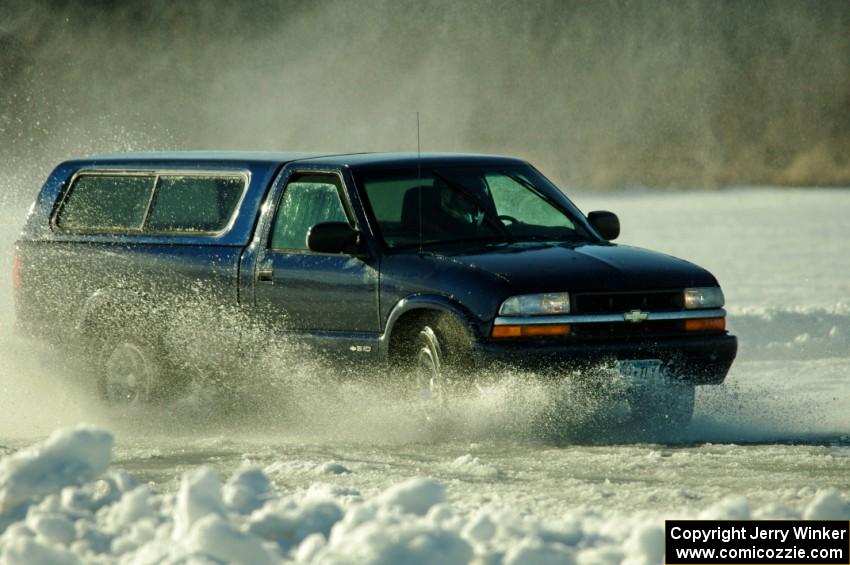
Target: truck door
<point>303,291</point>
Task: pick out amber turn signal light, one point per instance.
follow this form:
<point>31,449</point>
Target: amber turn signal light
<point>534,330</point>
<point>705,325</point>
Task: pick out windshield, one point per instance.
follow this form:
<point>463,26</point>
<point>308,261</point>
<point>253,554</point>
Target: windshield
<point>469,204</point>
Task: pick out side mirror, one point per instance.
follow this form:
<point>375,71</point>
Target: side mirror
<point>334,237</point>
<point>606,223</point>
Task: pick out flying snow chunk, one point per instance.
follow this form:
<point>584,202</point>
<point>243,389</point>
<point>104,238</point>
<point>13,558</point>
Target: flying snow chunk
<point>67,458</point>
<point>414,496</point>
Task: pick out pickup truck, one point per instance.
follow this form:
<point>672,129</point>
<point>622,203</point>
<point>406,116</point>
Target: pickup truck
<point>438,264</point>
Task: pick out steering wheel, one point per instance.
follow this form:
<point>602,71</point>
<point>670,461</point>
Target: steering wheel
<point>511,219</point>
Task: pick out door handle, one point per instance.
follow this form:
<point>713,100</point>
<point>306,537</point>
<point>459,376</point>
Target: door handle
<point>265,275</point>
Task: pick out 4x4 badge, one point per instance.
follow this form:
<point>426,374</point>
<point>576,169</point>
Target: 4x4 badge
<point>636,316</point>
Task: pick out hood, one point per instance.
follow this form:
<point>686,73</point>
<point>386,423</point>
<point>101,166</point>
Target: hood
<point>536,267</point>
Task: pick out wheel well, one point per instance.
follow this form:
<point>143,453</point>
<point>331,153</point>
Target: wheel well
<point>446,324</point>
<point>111,317</point>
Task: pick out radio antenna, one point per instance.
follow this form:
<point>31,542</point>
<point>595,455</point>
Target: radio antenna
<point>419,178</point>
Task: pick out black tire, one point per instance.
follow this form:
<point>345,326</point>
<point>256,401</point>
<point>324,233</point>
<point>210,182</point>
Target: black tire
<point>427,377</point>
<point>129,371</point>
<point>662,411</point>
<point>437,360</point>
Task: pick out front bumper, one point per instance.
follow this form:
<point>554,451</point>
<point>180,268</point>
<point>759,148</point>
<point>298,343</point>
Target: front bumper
<point>701,360</point>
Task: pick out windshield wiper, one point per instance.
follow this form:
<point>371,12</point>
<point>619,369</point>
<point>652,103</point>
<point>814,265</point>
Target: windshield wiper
<point>455,241</point>
<point>492,240</point>
<point>535,237</point>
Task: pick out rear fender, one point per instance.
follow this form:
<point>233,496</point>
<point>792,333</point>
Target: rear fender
<point>112,306</point>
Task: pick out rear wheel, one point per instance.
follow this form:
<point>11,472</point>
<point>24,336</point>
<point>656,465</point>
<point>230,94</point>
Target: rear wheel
<point>129,371</point>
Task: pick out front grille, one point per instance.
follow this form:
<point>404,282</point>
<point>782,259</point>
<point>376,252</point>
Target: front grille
<point>620,302</point>
<point>625,329</point>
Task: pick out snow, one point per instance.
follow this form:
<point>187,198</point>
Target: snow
<point>531,550</point>
<point>415,496</point>
<point>199,496</point>
<point>410,522</point>
<point>217,538</point>
<point>63,460</point>
<point>24,550</point>
<point>333,469</point>
<point>288,523</point>
<point>470,465</point>
<point>247,490</point>
<point>351,478</point>
<point>828,504</point>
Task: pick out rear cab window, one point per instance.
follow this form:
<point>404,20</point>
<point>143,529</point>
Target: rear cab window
<point>106,203</point>
<point>151,202</point>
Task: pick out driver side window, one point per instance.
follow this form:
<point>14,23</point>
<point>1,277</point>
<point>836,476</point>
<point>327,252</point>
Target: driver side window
<point>307,200</point>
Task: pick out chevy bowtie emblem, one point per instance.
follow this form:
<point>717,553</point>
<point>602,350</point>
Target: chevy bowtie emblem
<point>636,316</point>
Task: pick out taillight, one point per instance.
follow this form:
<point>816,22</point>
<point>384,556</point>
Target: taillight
<point>16,272</point>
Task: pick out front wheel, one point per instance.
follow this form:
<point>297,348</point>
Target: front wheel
<point>427,365</point>
<point>436,359</point>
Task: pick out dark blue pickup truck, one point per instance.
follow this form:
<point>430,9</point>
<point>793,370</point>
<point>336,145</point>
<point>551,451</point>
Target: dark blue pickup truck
<point>440,264</point>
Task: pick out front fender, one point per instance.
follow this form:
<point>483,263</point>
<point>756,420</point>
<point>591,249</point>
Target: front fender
<point>437,303</point>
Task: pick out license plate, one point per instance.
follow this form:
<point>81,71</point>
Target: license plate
<point>642,371</point>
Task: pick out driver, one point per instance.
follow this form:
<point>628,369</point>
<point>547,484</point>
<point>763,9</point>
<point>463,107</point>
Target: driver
<point>461,207</point>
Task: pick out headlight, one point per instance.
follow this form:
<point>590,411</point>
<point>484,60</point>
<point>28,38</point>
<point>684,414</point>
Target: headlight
<point>705,297</point>
<point>536,304</point>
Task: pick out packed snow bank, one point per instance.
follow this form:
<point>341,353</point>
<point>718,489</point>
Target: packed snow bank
<point>65,459</point>
<point>63,505</point>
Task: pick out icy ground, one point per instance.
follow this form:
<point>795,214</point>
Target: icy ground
<point>350,477</point>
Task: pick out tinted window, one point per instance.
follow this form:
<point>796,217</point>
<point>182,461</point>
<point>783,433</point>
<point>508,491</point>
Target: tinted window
<point>194,203</point>
<point>306,201</point>
<point>387,197</point>
<point>106,202</point>
<point>477,204</point>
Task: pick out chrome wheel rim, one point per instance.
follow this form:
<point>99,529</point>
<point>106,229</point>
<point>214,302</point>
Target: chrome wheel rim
<point>427,376</point>
<point>127,374</point>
